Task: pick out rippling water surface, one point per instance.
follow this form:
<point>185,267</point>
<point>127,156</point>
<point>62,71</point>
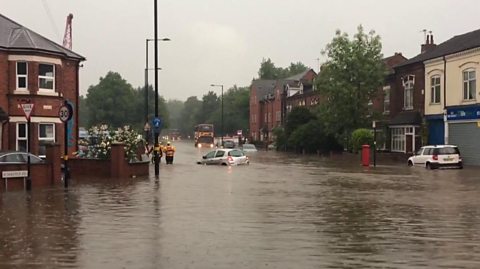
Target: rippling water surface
<point>282,211</point>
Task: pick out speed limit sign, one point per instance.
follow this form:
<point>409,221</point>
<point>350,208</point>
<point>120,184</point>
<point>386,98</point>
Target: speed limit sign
<point>65,113</point>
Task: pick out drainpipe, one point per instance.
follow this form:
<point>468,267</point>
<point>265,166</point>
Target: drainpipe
<point>445,122</point>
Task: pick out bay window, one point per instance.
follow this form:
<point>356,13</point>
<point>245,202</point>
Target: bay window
<point>21,137</point>
<point>46,135</point>
<point>46,76</point>
<point>22,75</point>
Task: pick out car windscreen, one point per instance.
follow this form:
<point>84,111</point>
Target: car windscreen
<point>446,151</point>
<point>248,146</point>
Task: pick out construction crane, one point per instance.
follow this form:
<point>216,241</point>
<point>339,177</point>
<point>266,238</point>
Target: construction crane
<point>67,38</point>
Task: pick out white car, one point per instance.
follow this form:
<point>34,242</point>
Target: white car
<point>249,148</point>
<point>224,157</point>
<point>433,157</point>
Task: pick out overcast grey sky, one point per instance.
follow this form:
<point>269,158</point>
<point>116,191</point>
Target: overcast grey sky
<point>224,41</point>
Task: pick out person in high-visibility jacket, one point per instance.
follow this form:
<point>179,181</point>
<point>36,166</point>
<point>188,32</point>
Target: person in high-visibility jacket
<point>169,152</point>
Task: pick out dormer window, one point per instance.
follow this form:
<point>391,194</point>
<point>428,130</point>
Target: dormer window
<point>46,77</point>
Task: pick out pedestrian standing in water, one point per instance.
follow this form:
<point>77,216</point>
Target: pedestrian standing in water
<point>169,152</point>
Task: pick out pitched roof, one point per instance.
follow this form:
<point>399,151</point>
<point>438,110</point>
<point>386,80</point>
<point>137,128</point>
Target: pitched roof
<point>298,76</point>
<point>264,87</point>
<point>455,44</point>
<point>15,37</point>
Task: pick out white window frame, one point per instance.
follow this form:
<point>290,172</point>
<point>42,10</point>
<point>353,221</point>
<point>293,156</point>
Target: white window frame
<point>386,100</point>
<point>21,75</point>
<point>42,139</point>
<point>46,78</point>
<point>466,84</point>
<point>434,86</point>
<point>18,138</point>
<point>408,92</point>
<point>399,140</point>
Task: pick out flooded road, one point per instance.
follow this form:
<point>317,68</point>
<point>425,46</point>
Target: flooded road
<point>282,211</point>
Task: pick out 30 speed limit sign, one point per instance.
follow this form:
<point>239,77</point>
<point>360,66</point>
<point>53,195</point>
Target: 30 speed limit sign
<point>65,113</point>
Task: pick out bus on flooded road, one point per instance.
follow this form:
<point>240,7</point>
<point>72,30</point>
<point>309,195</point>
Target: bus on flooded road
<point>204,136</point>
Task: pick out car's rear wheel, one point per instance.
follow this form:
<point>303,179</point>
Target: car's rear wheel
<point>428,166</point>
<point>410,163</point>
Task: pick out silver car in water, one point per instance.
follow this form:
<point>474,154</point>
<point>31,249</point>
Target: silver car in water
<point>224,157</point>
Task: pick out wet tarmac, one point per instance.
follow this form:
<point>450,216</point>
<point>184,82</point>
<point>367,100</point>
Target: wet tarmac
<point>281,211</point>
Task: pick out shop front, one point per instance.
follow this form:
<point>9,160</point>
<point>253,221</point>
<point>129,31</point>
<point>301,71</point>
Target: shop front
<point>464,132</point>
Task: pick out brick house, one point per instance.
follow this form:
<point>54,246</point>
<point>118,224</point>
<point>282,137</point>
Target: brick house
<point>271,100</point>
<point>407,102</point>
<point>379,106</point>
<point>36,70</point>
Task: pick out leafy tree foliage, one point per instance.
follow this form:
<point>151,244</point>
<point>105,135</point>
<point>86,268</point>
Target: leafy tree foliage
<point>114,102</point>
<point>297,117</point>
<point>110,101</point>
<point>268,70</point>
<point>351,76</point>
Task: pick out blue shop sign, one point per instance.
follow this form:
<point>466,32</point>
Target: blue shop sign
<point>463,113</point>
<point>157,125</point>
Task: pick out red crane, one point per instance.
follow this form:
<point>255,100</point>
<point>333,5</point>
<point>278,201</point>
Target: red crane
<point>67,38</point>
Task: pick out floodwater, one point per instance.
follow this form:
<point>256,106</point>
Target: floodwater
<point>281,211</point>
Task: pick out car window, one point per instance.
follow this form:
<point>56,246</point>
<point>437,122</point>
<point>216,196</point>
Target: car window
<point>220,153</point>
<point>427,151</point>
<point>210,155</point>
<point>448,150</point>
<point>248,146</point>
<point>14,158</point>
<point>235,153</point>
<point>419,152</point>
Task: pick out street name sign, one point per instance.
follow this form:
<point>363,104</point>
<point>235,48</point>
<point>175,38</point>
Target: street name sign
<point>13,174</point>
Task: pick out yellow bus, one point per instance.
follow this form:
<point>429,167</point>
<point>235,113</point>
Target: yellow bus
<point>204,136</point>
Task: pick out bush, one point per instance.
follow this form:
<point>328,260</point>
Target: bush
<point>361,137</point>
<point>101,139</point>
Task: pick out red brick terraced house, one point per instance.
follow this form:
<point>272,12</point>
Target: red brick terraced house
<point>407,102</point>
<point>36,70</point>
<point>380,104</point>
<point>271,100</point>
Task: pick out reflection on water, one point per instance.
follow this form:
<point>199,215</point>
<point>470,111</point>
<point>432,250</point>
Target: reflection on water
<point>282,211</point>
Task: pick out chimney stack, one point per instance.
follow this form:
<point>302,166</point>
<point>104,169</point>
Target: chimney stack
<point>429,44</point>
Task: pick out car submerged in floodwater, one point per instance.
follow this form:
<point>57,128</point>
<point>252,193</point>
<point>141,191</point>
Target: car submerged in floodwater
<point>224,157</point>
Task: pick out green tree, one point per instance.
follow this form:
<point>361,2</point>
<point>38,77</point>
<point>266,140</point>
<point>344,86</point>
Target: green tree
<point>188,115</point>
<point>350,77</point>
<point>268,70</point>
<point>110,101</point>
<point>297,117</point>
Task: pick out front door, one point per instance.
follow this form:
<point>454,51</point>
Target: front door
<point>408,144</point>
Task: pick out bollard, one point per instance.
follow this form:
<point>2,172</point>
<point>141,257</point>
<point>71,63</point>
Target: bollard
<point>366,155</point>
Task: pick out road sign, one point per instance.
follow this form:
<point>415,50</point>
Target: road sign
<point>157,125</point>
<point>64,113</point>
<point>27,109</point>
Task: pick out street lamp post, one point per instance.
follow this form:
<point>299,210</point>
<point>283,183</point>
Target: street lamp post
<point>146,76</point>
<point>374,125</point>
<point>220,85</point>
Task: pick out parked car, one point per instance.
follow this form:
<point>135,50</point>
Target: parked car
<point>225,157</point>
<point>249,148</point>
<point>15,157</point>
<point>433,157</point>
<point>229,144</point>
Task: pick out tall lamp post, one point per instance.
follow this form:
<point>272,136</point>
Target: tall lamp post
<point>374,125</point>
<point>220,85</point>
<point>146,77</point>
